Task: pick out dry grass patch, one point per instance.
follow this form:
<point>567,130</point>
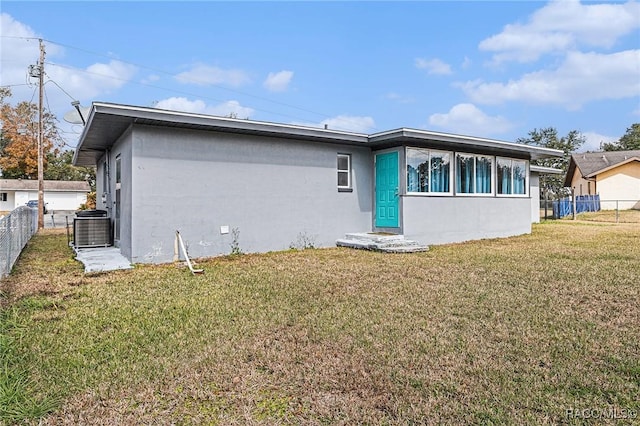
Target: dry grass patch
<point>622,216</point>
<point>511,330</point>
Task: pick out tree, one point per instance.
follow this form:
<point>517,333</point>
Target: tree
<point>60,167</point>
<point>4,141</point>
<point>548,138</point>
<point>19,138</point>
<point>630,140</point>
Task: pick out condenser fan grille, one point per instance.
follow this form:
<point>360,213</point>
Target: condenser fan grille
<point>91,232</point>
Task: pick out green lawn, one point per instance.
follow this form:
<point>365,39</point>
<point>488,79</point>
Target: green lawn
<point>521,330</point>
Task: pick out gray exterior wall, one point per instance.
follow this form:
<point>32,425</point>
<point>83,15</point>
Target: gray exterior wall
<point>122,148</point>
<point>439,220</point>
<point>276,193</point>
<point>534,192</point>
<point>273,191</point>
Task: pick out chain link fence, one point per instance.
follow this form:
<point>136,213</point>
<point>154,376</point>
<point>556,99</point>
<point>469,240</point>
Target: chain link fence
<point>16,229</point>
<point>592,209</point>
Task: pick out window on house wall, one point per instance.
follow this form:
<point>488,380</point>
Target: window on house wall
<point>105,177</point>
<point>428,171</point>
<point>474,174</point>
<point>511,176</point>
<point>118,170</point>
<point>344,171</point>
<point>3,196</point>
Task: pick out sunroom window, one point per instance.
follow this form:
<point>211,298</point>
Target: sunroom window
<point>473,174</point>
<point>511,176</point>
<point>428,171</point>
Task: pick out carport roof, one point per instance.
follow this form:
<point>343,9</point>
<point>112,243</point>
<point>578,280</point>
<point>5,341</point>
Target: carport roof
<point>107,122</point>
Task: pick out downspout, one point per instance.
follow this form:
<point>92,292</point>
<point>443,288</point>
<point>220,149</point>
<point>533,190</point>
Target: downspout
<point>107,193</point>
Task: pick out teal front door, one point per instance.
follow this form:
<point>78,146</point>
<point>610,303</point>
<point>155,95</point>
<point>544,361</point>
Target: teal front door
<point>387,205</point>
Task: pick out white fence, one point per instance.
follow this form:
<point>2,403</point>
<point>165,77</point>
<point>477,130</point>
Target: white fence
<point>16,229</point>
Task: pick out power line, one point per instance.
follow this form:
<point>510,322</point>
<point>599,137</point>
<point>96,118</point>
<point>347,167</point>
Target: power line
<point>173,75</point>
<point>60,87</point>
<point>14,85</point>
<point>21,38</point>
<point>180,92</point>
<point>192,80</point>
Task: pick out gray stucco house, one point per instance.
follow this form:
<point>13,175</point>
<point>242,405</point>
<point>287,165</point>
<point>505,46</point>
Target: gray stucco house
<point>160,171</point>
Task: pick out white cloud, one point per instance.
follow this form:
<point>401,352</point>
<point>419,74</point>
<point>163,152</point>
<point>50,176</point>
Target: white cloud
<point>563,25</point>
<point>593,141</point>
<point>20,49</point>
<point>396,97</point>
<point>581,78</point>
<point>205,75</point>
<point>86,84</point>
<point>278,81</point>
<point>468,119</point>
<point>347,123</point>
<point>198,106</point>
<point>350,123</point>
<point>19,53</point>
<point>433,66</point>
<point>150,79</point>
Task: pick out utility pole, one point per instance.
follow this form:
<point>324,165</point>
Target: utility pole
<point>40,140</point>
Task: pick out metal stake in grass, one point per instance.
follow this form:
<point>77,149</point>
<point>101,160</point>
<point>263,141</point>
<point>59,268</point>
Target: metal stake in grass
<point>186,256</point>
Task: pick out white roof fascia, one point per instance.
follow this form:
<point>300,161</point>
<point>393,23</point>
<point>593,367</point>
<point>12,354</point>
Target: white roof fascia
<point>464,140</point>
<point>224,122</point>
<point>87,125</point>
<point>545,170</point>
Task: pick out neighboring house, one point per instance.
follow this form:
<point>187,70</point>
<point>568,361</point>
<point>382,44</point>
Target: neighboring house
<point>614,175</point>
<point>264,186</point>
<point>58,195</point>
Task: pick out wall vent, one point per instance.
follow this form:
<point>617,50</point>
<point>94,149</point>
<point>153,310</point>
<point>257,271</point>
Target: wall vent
<point>91,232</point>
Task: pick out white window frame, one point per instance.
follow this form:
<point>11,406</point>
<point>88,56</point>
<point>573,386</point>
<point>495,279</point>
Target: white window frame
<point>4,196</point>
<point>451,172</point>
<point>494,173</point>
<point>347,171</point>
<point>527,182</point>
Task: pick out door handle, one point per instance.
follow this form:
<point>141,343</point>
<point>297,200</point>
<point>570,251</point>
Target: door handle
<point>396,192</point>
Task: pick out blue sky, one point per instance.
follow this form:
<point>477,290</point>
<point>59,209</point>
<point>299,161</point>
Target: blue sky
<point>488,69</point>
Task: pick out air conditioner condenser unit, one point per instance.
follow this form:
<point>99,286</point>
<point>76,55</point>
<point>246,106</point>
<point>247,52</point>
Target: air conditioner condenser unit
<point>91,232</point>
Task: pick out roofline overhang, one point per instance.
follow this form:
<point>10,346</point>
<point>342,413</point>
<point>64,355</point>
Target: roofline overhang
<point>125,116</point>
<point>251,126</point>
<point>179,119</point>
<point>405,134</point>
<point>545,170</point>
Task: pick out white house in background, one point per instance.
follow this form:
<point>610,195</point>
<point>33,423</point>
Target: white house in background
<point>59,195</point>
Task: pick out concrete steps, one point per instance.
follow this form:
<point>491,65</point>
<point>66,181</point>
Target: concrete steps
<point>387,243</point>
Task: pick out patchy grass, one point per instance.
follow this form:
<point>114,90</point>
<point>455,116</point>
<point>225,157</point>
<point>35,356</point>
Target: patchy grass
<point>516,330</point>
<point>622,216</point>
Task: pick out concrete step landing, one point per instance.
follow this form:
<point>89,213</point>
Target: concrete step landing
<point>377,241</point>
<point>102,259</point>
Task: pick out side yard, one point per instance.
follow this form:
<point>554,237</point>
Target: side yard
<point>537,329</point>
